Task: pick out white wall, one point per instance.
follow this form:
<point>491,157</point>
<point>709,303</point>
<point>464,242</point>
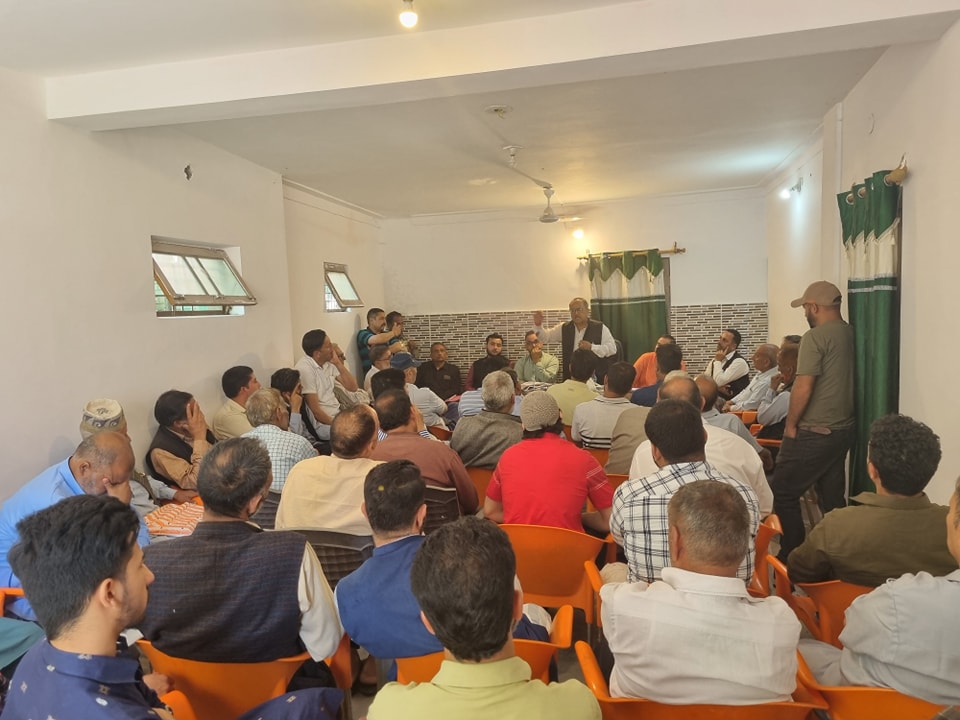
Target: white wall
<point>489,262</point>
<point>319,231</point>
<point>77,211</point>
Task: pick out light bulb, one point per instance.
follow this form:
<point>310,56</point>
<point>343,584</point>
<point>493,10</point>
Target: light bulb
<point>408,18</point>
<point>785,193</point>
<point>578,233</point>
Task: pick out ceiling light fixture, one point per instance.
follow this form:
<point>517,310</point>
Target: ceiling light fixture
<point>795,188</point>
<point>408,16</point>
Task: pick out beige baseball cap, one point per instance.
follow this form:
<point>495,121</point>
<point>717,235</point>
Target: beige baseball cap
<point>821,293</point>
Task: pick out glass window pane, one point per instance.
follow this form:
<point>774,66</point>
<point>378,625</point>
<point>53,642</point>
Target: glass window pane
<point>208,288</point>
<point>223,276</point>
<point>342,285</point>
<point>178,274</point>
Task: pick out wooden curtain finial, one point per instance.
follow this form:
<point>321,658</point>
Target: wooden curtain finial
<point>897,176</point>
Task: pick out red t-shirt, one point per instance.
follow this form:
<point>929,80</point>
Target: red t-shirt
<point>546,481</point>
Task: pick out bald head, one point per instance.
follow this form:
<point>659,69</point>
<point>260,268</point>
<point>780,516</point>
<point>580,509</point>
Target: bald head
<point>681,388</point>
<point>765,357</point>
<point>353,433</point>
<point>102,461</point>
<point>708,391</point>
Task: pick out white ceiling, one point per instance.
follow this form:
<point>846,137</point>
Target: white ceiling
<point>610,99</point>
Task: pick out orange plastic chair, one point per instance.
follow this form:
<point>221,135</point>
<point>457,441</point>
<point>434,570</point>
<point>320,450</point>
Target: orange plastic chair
<point>535,653</point>
<point>769,442</point>
<point>9,592</point>
<point>616,480</point>
<point>601,454</point>
<point>759,585</point>
<point>801,605</point>
<point>550,565</point>
<point>805,701</point>
<point>481,478</point>
<point>831,600</point>
<point>223,691</point>
<point>866,703</point>
<point>749,417</point>
<point>596,582</point>
<point>179,705</point>
<point>440,433</point>
<point>755,428</point>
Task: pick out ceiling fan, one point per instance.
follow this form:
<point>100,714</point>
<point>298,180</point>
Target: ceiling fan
<point>549,215</point>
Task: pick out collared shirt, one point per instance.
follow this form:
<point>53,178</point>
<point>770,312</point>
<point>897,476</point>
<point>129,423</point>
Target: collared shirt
<point>749,398</point>
<point>480,440</point>
<point>727,454</point>
<point>325,493</point>
<point>693,638</point>
<point>730,423</point>
<point>51,683</point>
<point>568,395</point>
<point>881,538</point>
<point>904,635</point>
<point>736,370</point>
<point>285,448</point>
<point>319,380</point>
<point>773,406</point>
<point>429,403</point>
<point>230,421</point>
<point>593,421</point>
<point>606,348</point>
<point>479,691</point>
<point>46,489</point>
<point>543,371</point>
<point>639,518</point>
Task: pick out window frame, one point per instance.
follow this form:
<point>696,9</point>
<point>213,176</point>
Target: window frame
<point>344,305</point>
<point>185,304</point>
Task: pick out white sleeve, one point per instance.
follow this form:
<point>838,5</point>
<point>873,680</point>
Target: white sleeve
<point>320,628</point>
<point>774,411</point>
<point>553,335</point>
<point>643,463</point>
<point>737,369</point>
<point>607,346</point>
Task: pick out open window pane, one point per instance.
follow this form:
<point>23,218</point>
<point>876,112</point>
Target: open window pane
<point>339,283</point>
<point>179,275</point>
<point>223,277</point>
<point>196,280</point>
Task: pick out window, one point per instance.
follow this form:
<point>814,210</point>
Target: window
<point>339,292</point>
<point>193,280</point>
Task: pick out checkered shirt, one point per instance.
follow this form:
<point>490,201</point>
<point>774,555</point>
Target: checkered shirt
<point>639,517</point>
<point>286,449</point>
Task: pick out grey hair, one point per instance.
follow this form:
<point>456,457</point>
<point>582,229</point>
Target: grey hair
<point>674,374</point>
<point>497,391</point>
<point>98,450</point>
<point>262,406</point>
<point>713,520</point>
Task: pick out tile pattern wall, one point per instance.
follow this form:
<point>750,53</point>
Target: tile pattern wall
<point>696,328</point>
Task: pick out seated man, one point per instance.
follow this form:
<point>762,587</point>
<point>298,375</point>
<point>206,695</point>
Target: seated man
<point>321,368</point>
<point>536,365</point>
<point>480,439</point>
<point>628,433</point>
<point>463,580</point>
<point>903,635</point>
<point>180,442</point>
<point>89,544</point>
<point>593,421</point>
<point>326,492</point>
<point>493,360</point>
<point>379,360</point>
<point>546,480</point>
<point>270,418</point>
<point>639,518</point>
<point>893,531</point>
<point>772,413</point>
<point>669,357</point>
<point>231,592</point>
<point>725,452</point>
<point>765,361</point>
<point>696,636</point>
<point>728,368</point>
<point>578,388</point>
<point>439,465</point>
<point>376,605</point>
<point>101,465</point>
<point>431,406</point>
<point>726,421</point>
<point>230,420</point>
<point>439,375</point>
<point>375,335</point>
<point>286,381</point>
<point>646,364</point>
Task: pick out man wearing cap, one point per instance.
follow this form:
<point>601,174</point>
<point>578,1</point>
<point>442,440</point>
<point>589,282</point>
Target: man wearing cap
<point>820,421</point>
<point>546,480</point>
<point>431,406</point>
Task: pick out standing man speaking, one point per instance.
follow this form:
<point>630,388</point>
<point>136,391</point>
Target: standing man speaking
<point>820,422</point>
<point>581,333</point>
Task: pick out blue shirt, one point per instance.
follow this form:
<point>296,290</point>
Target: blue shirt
<point>46,489</point>
<point>646,396</point>
<point>50,683</point>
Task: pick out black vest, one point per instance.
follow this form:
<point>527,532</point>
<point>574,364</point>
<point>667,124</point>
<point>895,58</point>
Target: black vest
<point>740,384</point>
<point>593,334</point>
<point>166,439</point>
<point>227,593</point>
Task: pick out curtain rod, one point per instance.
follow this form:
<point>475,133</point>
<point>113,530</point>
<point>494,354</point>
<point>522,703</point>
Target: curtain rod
<point>669,251</point>
<point>894,177</point>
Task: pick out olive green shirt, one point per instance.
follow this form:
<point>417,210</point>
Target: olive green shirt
<point>826,352</point>
<point>500,690</point>
<point>882,538</point>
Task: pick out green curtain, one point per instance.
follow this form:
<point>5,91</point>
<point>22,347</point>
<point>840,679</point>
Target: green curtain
<point>629,298</point>
<point>870,216</point>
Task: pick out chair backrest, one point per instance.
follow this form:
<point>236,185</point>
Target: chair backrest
<point>601,454</point>
<point>224,691</point>
<point>865,703</point>
<point>803,704</point>
<point>550,565</point>
<point>339,553</point>
<point>179,704</point>
<point>760,582</point>
<point>616,479</point>
<point>596,582</point>
<point>749,417</point>
<point>831,599</point>
<point>443,507</point>
<point>440,433</point>
<point>801,605</point>
<point>481,478</point>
